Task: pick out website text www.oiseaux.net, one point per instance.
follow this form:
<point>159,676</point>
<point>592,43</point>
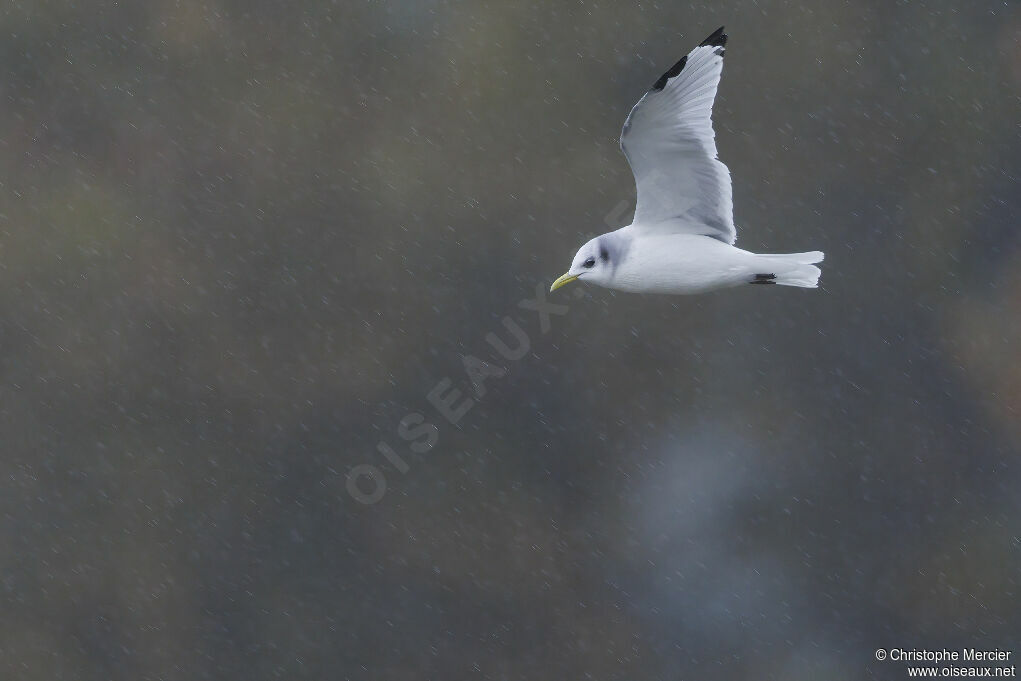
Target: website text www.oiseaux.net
<point>943,664</point>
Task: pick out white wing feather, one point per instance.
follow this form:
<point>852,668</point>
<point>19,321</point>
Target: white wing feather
<point>669,141</point>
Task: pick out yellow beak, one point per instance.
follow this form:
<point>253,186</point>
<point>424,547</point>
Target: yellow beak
<point>562,281</point>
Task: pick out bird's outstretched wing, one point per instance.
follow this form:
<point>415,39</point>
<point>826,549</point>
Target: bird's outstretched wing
<point>669,141</point>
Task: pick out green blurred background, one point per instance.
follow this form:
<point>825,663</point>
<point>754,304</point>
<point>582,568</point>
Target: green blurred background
<point>240,241</point>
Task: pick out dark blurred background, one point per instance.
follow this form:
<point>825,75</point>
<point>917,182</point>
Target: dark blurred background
<point>240,241</point>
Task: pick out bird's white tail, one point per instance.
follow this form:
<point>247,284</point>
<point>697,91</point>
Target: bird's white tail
<point>790,269</point>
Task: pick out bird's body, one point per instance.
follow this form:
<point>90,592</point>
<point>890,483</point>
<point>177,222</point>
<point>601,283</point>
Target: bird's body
<point>681,240</point>
<point>684,263</point>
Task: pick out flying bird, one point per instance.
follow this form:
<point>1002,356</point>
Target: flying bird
<point>682,237</point>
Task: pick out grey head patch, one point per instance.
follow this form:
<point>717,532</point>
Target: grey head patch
<point>613,248</point>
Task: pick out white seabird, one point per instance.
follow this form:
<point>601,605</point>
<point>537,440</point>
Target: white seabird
<point>682,236</point>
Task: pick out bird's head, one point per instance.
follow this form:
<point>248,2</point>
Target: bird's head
<point>593,263</point>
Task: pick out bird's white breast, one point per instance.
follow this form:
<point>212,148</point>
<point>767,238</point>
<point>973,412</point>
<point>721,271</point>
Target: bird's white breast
<point>680,263</point>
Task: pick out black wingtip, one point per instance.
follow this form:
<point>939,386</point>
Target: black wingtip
<point>717,39</point>
<point>674,70</point>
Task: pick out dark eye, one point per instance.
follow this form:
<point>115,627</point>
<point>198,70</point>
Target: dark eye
<point>590,262</point>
